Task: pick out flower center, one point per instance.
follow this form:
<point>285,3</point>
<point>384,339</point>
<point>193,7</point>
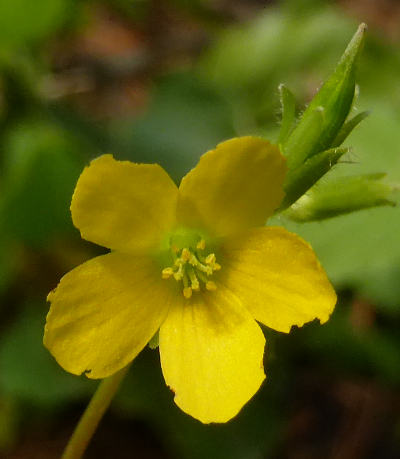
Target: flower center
<point>192,266</point>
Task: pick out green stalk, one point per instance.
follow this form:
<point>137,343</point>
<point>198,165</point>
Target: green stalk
<point>91,417</point>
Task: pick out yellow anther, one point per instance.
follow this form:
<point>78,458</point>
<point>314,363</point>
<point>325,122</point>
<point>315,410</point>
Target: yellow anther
<point>187,292</point>
<point>186,255</point>
<point>166,273</point>
<point>210,285</point>
<point>178,275</point>
<point>201,245</point>
<point>210,259</point>
<point>216,266</point>
<point>193,260</point>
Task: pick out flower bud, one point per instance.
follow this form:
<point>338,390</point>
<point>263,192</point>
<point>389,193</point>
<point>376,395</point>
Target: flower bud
<point>342,196</point>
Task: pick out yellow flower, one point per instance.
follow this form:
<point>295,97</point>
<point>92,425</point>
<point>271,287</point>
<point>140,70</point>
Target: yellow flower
<point>190,263</point>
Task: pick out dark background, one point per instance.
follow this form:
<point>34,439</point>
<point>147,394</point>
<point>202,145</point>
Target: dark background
<point>163,81</point>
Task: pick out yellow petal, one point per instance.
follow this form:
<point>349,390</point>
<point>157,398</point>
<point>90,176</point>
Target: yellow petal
<point>104,312</point>
<point>238,185</point>
<point>211,355</point>
<point>278,278</point>
<point>122,205</point>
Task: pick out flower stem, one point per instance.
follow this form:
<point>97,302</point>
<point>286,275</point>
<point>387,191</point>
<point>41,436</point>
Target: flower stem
<point>92,415</point>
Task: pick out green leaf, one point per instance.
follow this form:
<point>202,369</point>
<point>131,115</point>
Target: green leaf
<point>288,105</point>
<point>335,99</point>
<point>342,196</point>
<point>300,180</point>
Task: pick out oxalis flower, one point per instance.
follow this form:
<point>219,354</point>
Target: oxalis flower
<point>195,264</point>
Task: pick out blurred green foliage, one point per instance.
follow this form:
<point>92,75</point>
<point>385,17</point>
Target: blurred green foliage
<point>40,169</point>
<point>23,358</point>
<point>229,87</point>
<point>185,118</point>
<point>27,23</point>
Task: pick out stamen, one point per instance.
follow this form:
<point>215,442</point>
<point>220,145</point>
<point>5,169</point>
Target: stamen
<point>178,275</point>
<point>210,259</point>
<point>202,277</point>
<point>201,245</point>
<point>166,273</point>
<point>185,255</point>
<point>195,262</point>
<point>193,279</point>
<point>206,269</point>
<point>192,268</point>
<point>185,280</point>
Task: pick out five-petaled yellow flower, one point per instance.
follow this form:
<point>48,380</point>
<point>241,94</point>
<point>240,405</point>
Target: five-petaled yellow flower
<point>195,263</point>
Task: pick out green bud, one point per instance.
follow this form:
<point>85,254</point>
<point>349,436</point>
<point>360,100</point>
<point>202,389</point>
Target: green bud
<point>288,106</point>
<point>342,196</point>
<point>334,101</point>
<point>299,180</point>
